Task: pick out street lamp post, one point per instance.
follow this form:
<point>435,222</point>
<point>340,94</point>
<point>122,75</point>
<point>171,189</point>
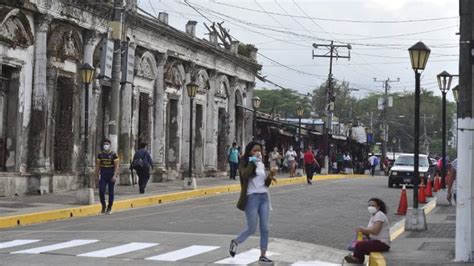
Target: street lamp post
<point>299,113</point>
<point>87,73</point>
<point>444,82</point>
<point>394,142</point>
<point>456,99</point>
<point>256,101</point>
<point>419,54</point>
<point>192,90</point>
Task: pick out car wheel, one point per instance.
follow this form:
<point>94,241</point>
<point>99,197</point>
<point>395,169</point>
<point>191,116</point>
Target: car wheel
<point>390,183</point>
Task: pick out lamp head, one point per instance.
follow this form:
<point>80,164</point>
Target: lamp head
<point>419,54</point>
<point>192,89</point>
<point>87,73</point>
<point>444,81</point>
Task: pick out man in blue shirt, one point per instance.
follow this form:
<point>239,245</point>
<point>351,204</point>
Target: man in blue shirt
<point>107,170</point>
<point>143,171</point>
<point>233,157</point>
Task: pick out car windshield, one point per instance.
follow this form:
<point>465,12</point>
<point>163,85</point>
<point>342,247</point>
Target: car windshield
<point>409,161</point>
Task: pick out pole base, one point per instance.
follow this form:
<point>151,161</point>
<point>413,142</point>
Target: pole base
<point>85,196</point>
<point>415,220</point>
<point>442,198</point>
<point>189,184</point>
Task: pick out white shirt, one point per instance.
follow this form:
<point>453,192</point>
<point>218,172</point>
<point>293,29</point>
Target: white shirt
<point>257,183</point>
<point>291,154</point>
<point>372,160</point>
<point>384,234</point>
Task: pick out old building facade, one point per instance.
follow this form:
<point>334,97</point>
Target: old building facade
<point>43,43</point>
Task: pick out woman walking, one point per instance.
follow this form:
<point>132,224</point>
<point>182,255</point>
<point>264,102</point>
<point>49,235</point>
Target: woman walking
<point>254,198</point>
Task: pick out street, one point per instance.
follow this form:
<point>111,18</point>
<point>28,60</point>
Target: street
<point>304,219</point>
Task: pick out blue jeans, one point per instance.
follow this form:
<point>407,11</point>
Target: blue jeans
<point>257,207</point>
<point>234,166</point>
<point>106,181</point>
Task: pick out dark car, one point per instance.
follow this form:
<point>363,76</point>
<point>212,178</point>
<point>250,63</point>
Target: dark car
<point>402,171</point>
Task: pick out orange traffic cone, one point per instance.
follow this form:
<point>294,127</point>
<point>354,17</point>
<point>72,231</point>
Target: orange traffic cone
<point>421,193</point>
<point>428,189</point>
<point>437,184</point>
<point>403,205</point>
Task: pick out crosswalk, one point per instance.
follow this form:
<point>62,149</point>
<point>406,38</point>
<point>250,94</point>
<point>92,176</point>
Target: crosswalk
<point>108,249</point>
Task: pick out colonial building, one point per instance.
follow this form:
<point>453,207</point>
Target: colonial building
<point>43,43</point>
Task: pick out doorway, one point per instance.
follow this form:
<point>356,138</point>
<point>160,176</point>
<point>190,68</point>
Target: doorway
<point>64,135</point>
<point>172,140</point>
<point>9,86</point>
<point>222,140</point>
<point>143,119</point>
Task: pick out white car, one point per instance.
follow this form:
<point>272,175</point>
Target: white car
<point>402,171</point>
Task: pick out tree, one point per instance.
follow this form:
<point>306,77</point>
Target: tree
<point>283,102</point>
<point>344,102</point>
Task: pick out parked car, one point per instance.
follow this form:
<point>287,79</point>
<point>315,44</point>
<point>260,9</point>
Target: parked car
<point>402,171</point>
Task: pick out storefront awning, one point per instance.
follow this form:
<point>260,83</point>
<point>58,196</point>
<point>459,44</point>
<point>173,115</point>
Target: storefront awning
<point>339,137</point>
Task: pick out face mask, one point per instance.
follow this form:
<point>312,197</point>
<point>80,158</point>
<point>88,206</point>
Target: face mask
<point>372,210</point>
<point>106,147</point>
<point>258,155</point>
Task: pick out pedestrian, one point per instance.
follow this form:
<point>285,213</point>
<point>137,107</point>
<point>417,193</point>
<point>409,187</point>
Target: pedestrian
<point>291,159</point>
<point>142,163</point>
<point>310,164</point>
<point>233,157</point>
<point>254,199</point>
<point>347,161</point>
<point>378,232</point>
<point>274,159</point>
<point>373,161</point>
<point>386,166</point>
<point>107,171</point>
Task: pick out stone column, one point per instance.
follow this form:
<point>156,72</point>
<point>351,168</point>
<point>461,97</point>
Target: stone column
<point>185,116</point>
<point>248,133</point>
<point>231,110</point>
<point>159,137</point>
<point>38,125</point>
<point>210,148</point>
<point>125,130</point>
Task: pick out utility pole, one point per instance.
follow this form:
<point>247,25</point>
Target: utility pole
<point>384,112</point>
<point>330,98</point>
<point>465,186</point>
<point>116,73</point>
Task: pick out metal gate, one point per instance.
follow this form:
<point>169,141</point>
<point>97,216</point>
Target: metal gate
<point>144,119</point>
<point>64,135</point>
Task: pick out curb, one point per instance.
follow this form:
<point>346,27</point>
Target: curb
<point>376,258</point>
<point>90,210</point>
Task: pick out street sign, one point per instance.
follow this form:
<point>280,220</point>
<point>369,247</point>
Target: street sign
<point>106,58</point>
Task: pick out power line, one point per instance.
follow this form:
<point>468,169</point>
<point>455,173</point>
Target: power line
<point>342,20</point>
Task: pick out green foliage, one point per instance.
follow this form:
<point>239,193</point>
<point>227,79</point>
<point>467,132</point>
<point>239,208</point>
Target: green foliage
<point>283,102</point>
<point>343,107</point>
<point>244,49</point>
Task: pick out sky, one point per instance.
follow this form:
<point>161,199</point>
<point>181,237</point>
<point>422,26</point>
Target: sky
<point>379,32</point>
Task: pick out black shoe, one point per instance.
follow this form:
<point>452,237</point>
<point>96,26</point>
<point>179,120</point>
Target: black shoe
<point>265,259</point>
<point>309,182</point>
<point>103,210</point>
<point>108,211</point>
<point>352,259</point>
<point>233,248</point>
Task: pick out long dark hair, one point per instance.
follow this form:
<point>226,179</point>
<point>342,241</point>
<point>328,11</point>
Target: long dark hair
<point>248,150</point>
<point>381,204</point>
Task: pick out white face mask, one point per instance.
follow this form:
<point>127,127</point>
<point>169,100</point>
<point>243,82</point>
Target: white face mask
<point>372,210</point>
<point>106,147</point>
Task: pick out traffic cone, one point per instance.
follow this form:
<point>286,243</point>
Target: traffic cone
<point>421,193</point>
<point>429,189</point>
<point>437,184</point>
<point>403,205</point>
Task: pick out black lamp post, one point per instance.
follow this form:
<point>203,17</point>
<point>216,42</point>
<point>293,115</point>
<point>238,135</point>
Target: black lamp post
<point>456,99</point>
<point>87,73</point>
<point>394,142</point>
<point>256,101</point>
<point>444,82</point>
<point>299,113</point>
<point>419,54</point>
<point>192,90</point>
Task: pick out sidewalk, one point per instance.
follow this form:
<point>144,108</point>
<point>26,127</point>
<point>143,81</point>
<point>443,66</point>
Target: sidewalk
<point>434,246</point>
<point>23,210</point>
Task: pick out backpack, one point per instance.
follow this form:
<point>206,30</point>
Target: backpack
<point>138,164</point>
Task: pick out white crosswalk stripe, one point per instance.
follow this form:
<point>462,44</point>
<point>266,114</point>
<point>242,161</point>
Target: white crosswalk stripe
<point>183,253</point>
<point>244,258</point>
<point>113,251</point>
<point>19,242</point>
<point>63,245</point>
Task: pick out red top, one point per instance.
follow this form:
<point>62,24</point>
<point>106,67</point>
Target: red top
<point>309,157</point>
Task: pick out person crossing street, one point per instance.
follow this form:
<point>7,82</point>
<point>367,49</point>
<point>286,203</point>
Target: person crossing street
<point>107,170</point>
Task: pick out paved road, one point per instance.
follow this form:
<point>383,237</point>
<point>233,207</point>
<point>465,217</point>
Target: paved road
<point>319,217</point>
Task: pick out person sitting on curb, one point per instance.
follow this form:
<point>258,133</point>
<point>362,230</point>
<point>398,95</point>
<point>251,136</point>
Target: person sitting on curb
<point>378,232</point>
